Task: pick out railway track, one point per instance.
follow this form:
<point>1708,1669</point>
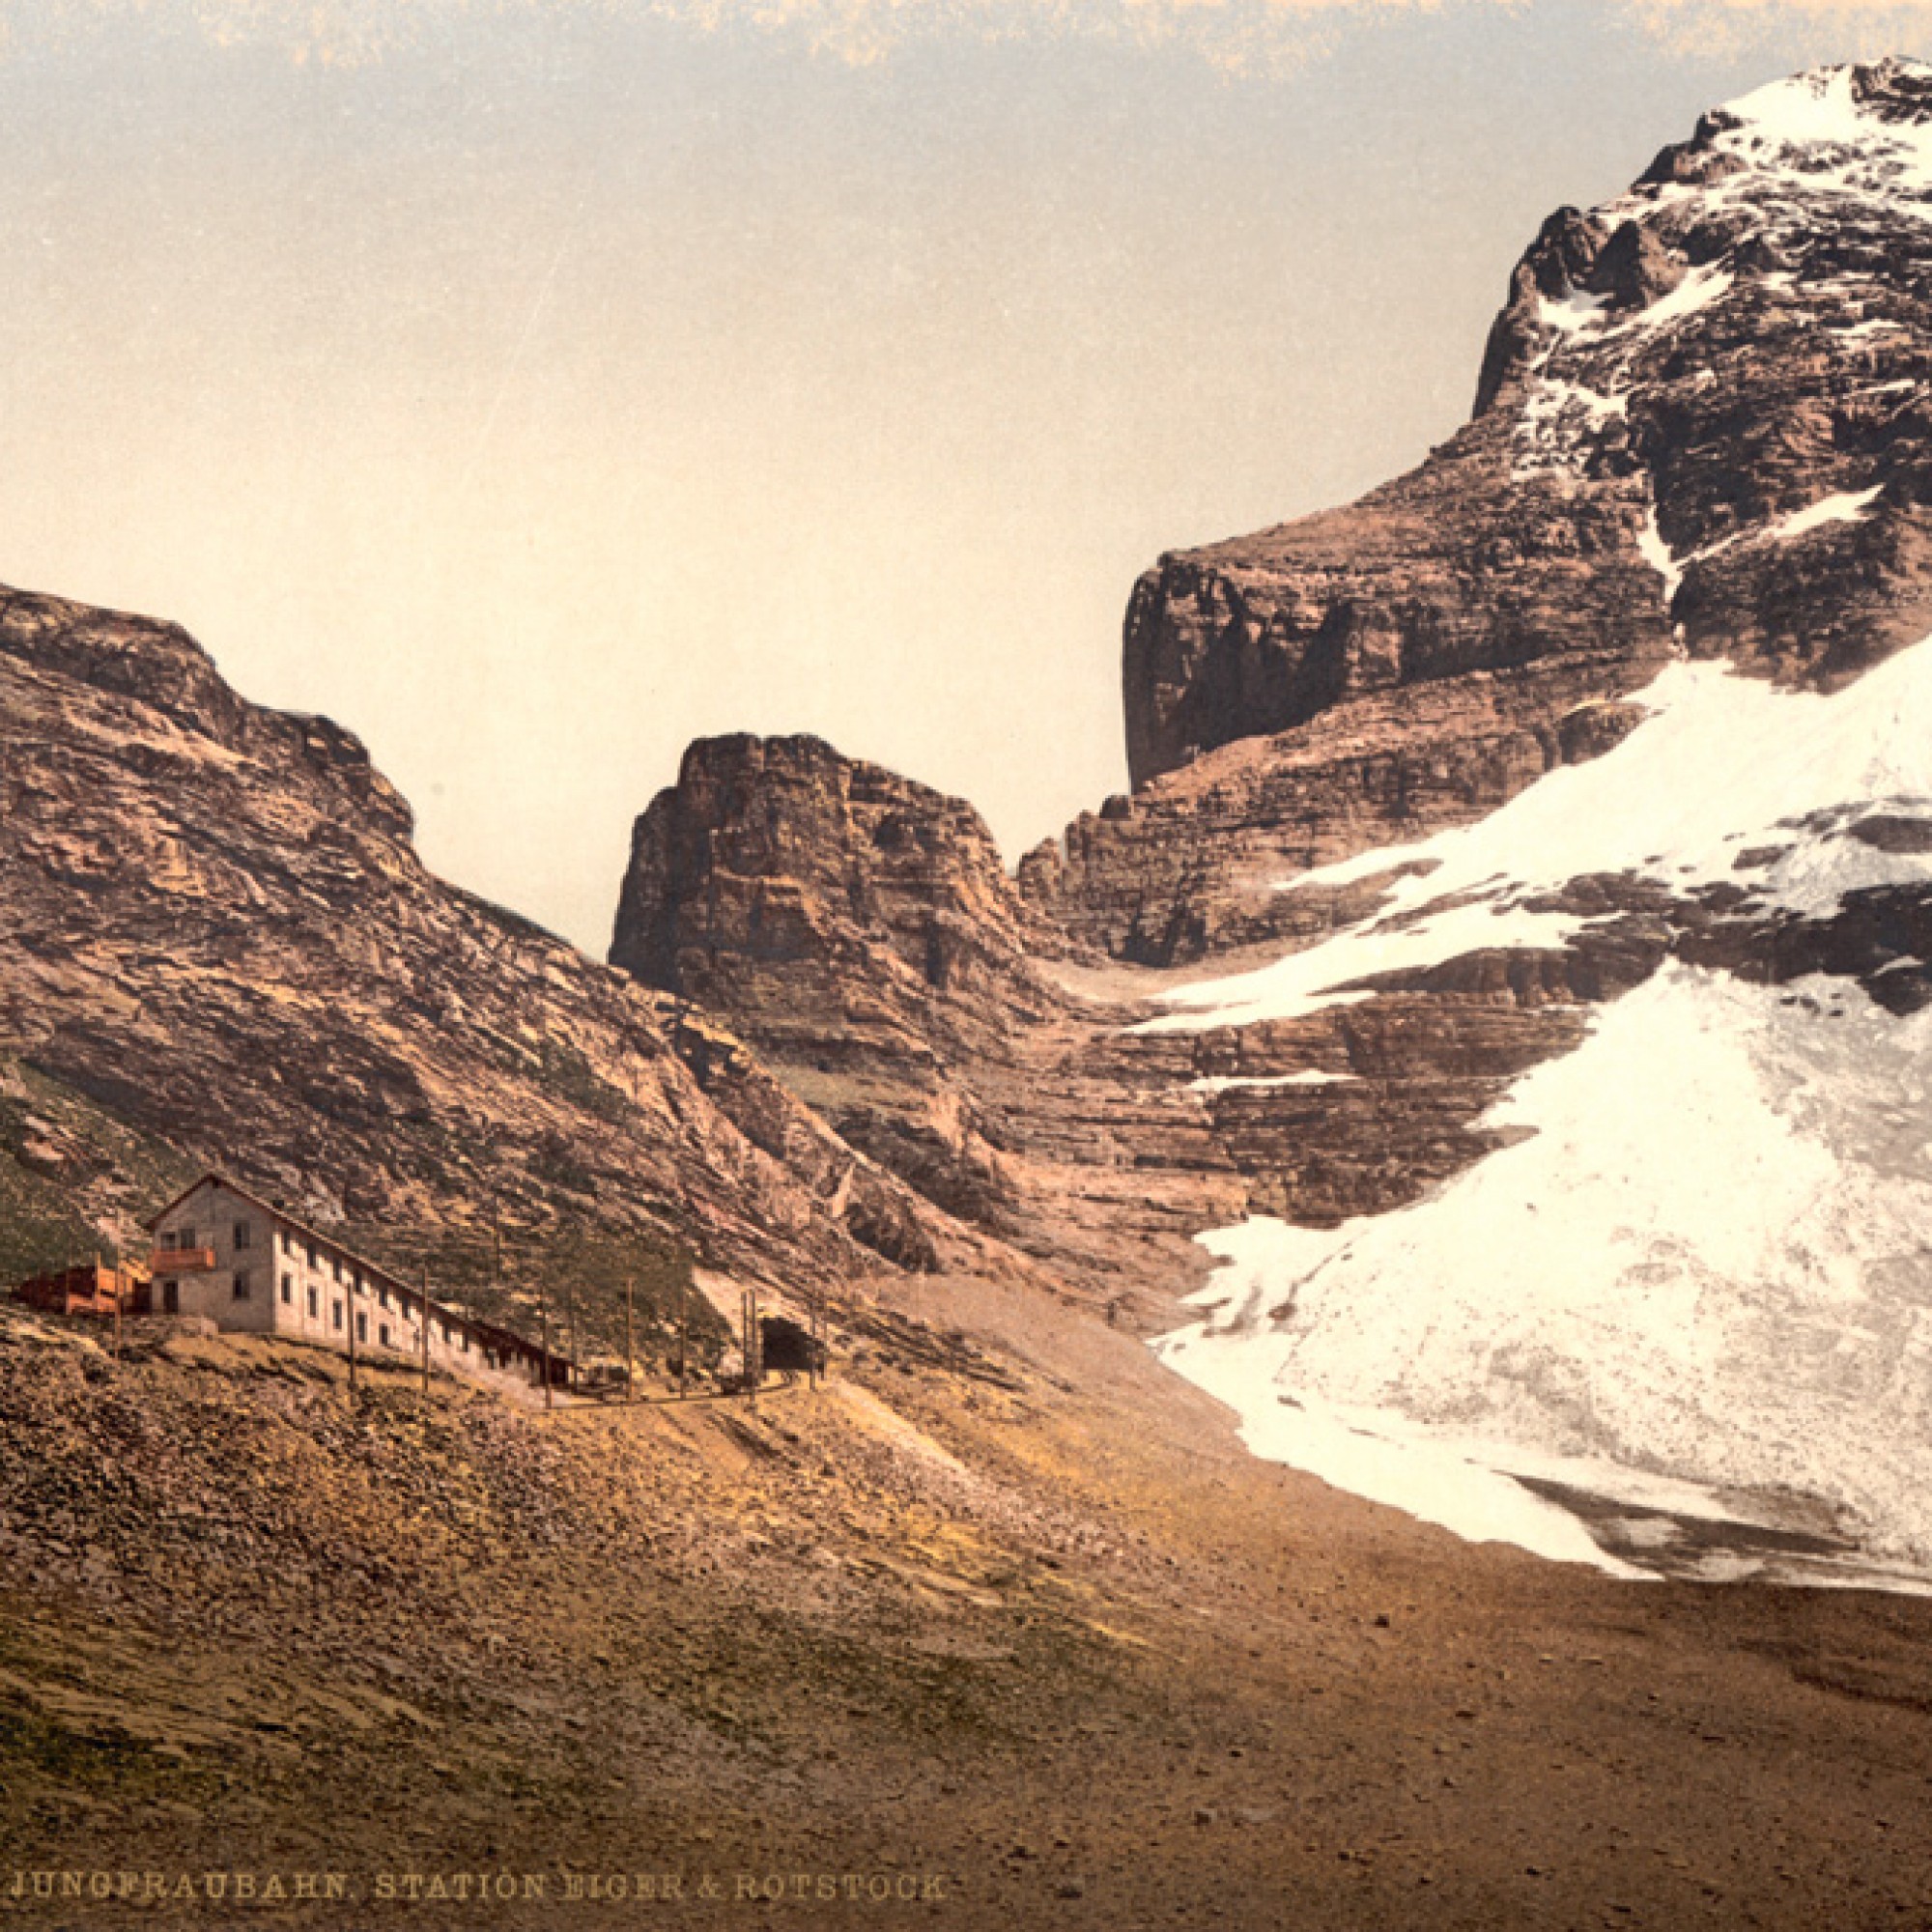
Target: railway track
<point>782,1381</point>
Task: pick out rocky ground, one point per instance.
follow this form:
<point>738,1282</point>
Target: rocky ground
<point>1014,1624</point>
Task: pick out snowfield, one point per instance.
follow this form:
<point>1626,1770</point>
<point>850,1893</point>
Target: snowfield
<point>1710,1268</point>
<point>1711,1264</point>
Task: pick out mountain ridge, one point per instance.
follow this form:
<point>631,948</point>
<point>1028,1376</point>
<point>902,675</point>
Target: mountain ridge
<point>214,930</point>
<point>1455,761</point>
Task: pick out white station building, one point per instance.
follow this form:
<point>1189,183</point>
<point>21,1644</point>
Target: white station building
<point>226,1254</point>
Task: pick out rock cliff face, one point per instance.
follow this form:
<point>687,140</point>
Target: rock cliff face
<point>861,919</point>
<point>861,933</point>
<point>1691,1250</point>
<point>214,929</point>
<point>1701,428</point>
<point>1609,716</point>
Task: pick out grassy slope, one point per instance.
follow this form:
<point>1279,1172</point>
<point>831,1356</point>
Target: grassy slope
<point>73,1179</point>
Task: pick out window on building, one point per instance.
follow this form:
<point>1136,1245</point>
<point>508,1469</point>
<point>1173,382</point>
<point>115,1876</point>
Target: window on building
<point>338,1314</point>
<point>182,1237</point>
<point>242,1233</point>
<point>171,1297</point>
<point>243,1286</point>
<point>382,1294</point>
<point>313,1308</point>
<point>288,1288</point>
<point>466,1341</point>
<point>382,1334</point>
<point>314,1256</point>
<point>361,1326</point>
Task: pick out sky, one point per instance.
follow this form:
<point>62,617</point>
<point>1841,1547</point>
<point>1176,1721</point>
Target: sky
<point>534,385</point>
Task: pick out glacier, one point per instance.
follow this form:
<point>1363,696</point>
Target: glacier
<point>1698,1292</point>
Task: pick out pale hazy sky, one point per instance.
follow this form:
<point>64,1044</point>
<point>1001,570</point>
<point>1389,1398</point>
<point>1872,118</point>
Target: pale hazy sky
<point>534,384</point>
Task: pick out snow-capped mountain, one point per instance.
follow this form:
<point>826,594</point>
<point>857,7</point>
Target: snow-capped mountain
<point>1560,816</point>
<point>1692,1286</point>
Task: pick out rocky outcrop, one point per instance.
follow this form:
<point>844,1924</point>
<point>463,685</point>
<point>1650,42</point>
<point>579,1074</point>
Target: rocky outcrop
<point>1701,427</point>
<point>1465,566</point>
<point>859,932</point>
<point>1192,863</point>
<point>849,918</point>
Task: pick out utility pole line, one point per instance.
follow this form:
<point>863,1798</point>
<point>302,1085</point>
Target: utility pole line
<point>630,1349</point>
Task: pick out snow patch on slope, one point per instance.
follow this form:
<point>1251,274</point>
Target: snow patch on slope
<point>1848,506</point>
<point>1815,123</point>
<point>1233,1083</point>
<point>1844,506</point>
<point>1723,762</point>
<point>1711,1263</point>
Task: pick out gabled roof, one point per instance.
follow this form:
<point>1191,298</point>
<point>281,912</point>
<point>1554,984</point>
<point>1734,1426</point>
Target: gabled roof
<point>288,1220</point>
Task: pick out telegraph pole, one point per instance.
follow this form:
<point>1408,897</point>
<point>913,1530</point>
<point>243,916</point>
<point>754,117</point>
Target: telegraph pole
<point>683,1337</point>
<point>542,1304</point>
<point>425,1331</point>
<point>117,1298</point>
<point>630,1352</point>
<point>753,1368</point>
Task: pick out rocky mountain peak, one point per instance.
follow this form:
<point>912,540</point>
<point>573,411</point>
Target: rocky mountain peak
<point>783,854</point>
<point>1703,429</point>
<point>157,672</point>
<point>1765,187</point>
